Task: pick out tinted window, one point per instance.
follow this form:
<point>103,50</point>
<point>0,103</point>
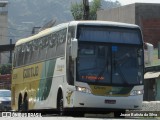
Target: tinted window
<point>35,51</point>
<point>28,49</point>
<point>20,54</point>
<point>51,45</point>
<point>43,43</point>
<point>61,43</point>
<point>110,35</point>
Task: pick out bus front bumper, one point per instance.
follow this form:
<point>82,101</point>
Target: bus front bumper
<point>86,100</point>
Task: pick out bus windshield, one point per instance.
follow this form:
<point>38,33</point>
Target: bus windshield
<point>104,63</point>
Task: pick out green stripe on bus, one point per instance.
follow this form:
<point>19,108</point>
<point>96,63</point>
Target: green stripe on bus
<point>46,79</point>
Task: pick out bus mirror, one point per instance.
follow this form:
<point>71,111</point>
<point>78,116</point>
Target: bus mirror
<point>74,48</point>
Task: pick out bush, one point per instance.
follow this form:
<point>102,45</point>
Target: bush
<point>5,69</point>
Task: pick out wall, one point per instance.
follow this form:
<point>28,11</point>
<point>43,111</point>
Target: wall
<point>3,35</point>
<point>121,14</point>
<point>3,28</point>
<point>158,89</point>
<point>146,15</point>
<point>151,30</point>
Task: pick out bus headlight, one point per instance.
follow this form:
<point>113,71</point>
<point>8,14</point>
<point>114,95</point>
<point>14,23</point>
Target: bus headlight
<point>136,92</point>
<point>83,89</point>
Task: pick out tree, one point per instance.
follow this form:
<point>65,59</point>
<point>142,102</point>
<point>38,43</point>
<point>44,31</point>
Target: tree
<point>77,8</point>
<point>5,69</point>
<point>93,9</point>
<point>77,11</point>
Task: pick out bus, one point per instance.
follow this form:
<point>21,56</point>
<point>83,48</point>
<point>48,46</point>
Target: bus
<point>80,67</point>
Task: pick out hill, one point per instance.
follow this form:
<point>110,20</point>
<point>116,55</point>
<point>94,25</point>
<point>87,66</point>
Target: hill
<point>25,14</point>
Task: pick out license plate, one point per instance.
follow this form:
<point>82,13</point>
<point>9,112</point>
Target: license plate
<point>110,101</point>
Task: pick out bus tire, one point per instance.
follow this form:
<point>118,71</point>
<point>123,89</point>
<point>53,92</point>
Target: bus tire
<point>60,104</point>
<point>20,102</point>
<point>25,103</point>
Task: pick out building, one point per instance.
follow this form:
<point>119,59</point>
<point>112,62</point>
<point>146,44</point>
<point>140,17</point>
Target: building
<point>3,30</point>
<point>147,16</point>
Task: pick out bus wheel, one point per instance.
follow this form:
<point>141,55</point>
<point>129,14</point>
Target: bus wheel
<point>60,105</point>
<point>20,103</point>
<point>25,102</point>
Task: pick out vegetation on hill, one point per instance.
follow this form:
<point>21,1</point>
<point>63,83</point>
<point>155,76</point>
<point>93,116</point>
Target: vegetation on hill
<point>25,14</point>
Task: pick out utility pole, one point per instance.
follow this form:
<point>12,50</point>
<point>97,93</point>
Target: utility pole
<point>85,9</point>
<point>10,57</point>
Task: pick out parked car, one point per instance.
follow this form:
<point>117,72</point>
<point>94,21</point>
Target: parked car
<point>5,100</point>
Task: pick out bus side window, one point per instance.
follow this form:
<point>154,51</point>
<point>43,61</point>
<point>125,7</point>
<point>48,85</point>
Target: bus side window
<point>70,62</point>
<point>20,55</point>
<point>61,38</point>
<point>51,46</point>
<point>71,34</point>
<point>15,57</point>
<point>42,50</point>
<point>35,52</point>
<point>32,52</point>
<point>27,53</point>
<point>71,71</point>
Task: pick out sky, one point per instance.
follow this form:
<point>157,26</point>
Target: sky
<point>125,2</point>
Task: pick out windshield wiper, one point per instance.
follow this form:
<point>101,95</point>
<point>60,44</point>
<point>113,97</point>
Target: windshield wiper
<point>122,59</point>
<point>122,76</point>
<point>103,70</point>
<point>118,62</point>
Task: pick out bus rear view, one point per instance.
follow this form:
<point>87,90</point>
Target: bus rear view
<point>108,67</point>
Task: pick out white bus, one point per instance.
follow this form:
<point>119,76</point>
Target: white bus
<point>80,67</point>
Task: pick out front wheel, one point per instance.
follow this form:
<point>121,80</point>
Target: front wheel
<point>60,106</point>
<point>63,112</point>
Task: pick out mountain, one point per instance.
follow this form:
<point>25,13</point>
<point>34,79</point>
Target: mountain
<point>25,14</point>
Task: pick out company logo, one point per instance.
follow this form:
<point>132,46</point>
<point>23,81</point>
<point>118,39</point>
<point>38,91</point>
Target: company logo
<point>30,72</point>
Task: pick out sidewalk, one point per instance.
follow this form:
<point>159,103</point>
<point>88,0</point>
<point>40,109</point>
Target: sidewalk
<point>151,106</point>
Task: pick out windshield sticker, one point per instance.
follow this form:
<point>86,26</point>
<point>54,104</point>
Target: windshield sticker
<point>114,48</point>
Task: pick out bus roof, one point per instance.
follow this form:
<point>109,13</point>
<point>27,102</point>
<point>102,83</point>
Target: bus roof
<point>42,33</point>
<point>74,23</point>
<point>104,23</point>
